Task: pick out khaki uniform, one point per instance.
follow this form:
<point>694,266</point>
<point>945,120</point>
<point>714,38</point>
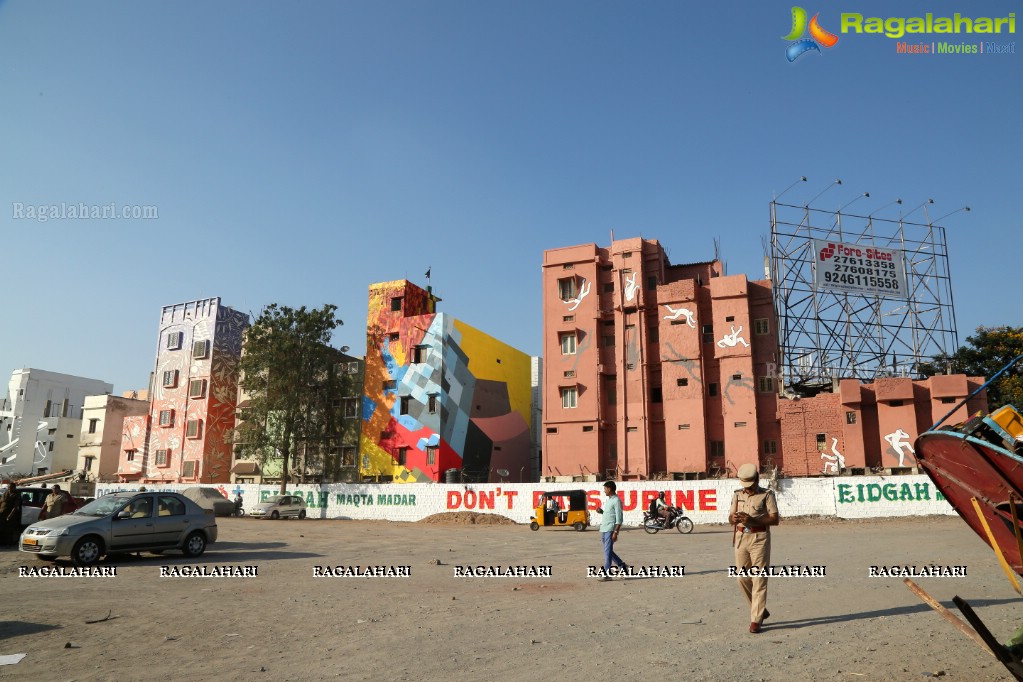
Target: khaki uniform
<point>54,504</point>
<point>753,546</point>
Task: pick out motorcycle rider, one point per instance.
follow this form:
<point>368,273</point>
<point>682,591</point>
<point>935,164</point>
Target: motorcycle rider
<point>662,510</point>
<point>237,504</point>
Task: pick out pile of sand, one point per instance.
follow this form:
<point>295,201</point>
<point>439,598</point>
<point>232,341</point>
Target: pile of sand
<point>469,519</point>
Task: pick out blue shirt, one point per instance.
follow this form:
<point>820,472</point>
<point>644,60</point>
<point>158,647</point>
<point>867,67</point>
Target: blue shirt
<point>612,514</point>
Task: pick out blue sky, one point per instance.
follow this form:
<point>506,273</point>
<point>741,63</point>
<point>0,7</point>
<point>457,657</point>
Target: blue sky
<point>297,152</point>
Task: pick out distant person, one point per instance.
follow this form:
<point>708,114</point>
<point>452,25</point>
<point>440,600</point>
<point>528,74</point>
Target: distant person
<point>238,502</point>
<point>55,504</point>
<point>754,510</point>
<point>10,515</point>
<point>609,527</point>
<point>661,509</point>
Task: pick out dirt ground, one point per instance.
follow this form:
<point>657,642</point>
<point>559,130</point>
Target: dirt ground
<point>287,625</point>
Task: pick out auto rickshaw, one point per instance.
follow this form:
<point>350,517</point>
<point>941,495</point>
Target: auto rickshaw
<point>550,511</point>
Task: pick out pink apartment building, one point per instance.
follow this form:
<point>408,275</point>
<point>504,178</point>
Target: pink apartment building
<point>652,368</point>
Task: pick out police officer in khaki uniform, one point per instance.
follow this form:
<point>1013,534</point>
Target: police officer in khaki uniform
<point>754,510</point>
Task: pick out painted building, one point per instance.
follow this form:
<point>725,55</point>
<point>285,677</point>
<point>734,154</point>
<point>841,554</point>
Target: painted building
<point>868,426</point>
<point>185,437</point>
<point>440,396</point>
<point>40,421</point>
<point>332,461</point>
<point>653,369</point>
<point>99,444</point>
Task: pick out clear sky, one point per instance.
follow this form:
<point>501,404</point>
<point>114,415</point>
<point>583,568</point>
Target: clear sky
<point>298,151</point>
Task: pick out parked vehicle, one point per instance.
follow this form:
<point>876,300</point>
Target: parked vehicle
<point>551,513</point>
<point>678,521</point>
<point>123,522</point>
<point>210,498</point>
<point>280,507</point>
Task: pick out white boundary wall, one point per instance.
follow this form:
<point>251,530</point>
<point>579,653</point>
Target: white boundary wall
<point>855,497</point>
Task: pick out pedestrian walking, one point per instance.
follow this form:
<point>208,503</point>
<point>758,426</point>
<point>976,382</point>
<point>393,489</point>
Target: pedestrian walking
<point>609,527</point>
<point>10,515</point>
<point>754,510</point>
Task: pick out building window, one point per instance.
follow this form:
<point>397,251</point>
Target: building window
<point>552,429</point>
<point>568,318</point>
<point>770,447</point>
<point>947,401</point>
<point>717,448</point>
<point>631,429</point>
<point>88,463</point>
<point>587,428</point>
<point>161,457</point>
<point>348,456</point>
<point>761,326</point>
<point>730,318</point>
<point>197,388</point>
<point>895,403</point>
<point>570,374</point>
<point>166,418</point>
<point>707,332</point>
<point>567,344</point>
<point>737,377</point>
<point>189,470</point>
<point>394,337</point>
<point>630,365</point>
<point>681,382</point>
<point>850,417</point>
<point>431,454</point>
<point>396,304</point>
<point>822,439</point>
<point>130,455</point>
<point>766,384</point>
<point>712,390</point>
<point>93,425</point>
<point>351,408</point>
<point>406,401</point>
<point>41,471</point>
<point>651,282</point>
<point>683,427</point>
<point>174,341</point>
<point>608,287</point>
<point>431,403</point>
<point>353,367</point>
<point>200,349</point>
<point>569,397</point>
<point>612,391</point>
<point>193,428</point>
<point>402,456</point>
<point>627,254</point>
<point>170,378</point>
<point>656,395</point>
<point>419,353</point>
<point>609,323</point>
<point>740,425</point>
<point>50,447</point>
<point>606,268</point>
<point>568,266</point>
<point>567,289</point>
<point>391,385</point>
<point>608,340</point>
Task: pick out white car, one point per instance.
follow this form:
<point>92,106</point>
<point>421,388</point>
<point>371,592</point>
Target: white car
<point>280,507</point>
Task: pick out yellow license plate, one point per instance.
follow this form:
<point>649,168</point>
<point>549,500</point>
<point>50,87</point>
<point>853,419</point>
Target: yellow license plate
<point>30,541</point>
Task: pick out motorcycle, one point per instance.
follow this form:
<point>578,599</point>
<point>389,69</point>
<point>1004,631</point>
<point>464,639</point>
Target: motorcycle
<point>679,521</point>
<point>238,511</point>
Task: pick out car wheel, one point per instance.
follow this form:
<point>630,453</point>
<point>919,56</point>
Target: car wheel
<point>301,514</point>
<point>534,526</point>
<point>274,515</point>
<point>195,544</point>
<point>87,551</point>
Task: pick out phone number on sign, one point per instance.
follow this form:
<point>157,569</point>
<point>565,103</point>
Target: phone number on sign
<point>861,280</point>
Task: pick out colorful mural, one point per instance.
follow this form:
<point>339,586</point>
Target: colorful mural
<point>440,394</point>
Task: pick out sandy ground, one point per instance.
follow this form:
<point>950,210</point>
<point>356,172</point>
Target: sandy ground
<point>287,625</point>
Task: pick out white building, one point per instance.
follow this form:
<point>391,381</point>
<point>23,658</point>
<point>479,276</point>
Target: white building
<point>41,421</point>
<point>99,447</point>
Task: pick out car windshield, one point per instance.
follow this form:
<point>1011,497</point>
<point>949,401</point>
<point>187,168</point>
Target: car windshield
<point>273,500</point>
<point>104,506</point>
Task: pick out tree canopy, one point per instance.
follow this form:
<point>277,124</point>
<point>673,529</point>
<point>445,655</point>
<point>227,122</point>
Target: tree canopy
<point>291,383</point>
<point>987,351</point>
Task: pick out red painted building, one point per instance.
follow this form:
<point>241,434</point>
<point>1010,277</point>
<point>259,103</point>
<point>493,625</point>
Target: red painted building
<point>652,368</point>
<point>194,394</point>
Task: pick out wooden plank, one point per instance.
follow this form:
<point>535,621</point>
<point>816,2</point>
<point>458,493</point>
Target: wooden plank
<point>1009,573</point>
<point>949,616</point>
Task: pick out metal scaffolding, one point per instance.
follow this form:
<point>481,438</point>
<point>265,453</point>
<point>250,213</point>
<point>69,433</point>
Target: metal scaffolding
<point>824,334</point>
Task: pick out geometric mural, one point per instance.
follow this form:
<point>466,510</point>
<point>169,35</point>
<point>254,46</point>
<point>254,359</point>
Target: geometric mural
<point>439,394</point>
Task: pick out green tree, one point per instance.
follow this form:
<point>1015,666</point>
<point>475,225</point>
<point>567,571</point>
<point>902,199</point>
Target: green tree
<point>292,384</point>
<point>986,352</point>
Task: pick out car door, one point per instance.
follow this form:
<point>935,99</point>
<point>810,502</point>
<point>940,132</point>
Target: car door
<point>170,522</point>
<point>137,529</point>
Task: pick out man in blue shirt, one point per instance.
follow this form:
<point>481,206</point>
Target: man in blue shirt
<point>609,526</point>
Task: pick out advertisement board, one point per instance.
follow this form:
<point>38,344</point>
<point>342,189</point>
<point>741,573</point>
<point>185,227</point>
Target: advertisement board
<point>859,269</point>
